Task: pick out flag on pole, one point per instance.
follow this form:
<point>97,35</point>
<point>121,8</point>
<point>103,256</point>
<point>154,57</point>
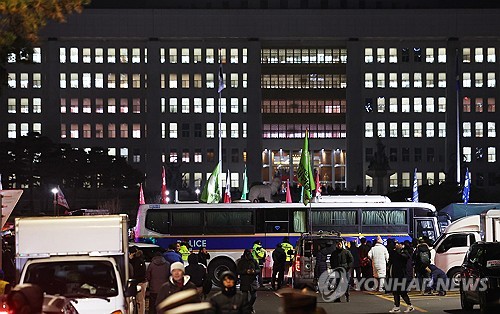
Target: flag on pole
<point>163,187</point>
<point>414,197</point>
<point>466,190</point>
<point>1,188</point>
<point>245,185</point>
<point>61,200</point>
<point>288,193</point>
<point>304,172</point>
<point>318,185</point>
<point>211,191</point>
<point>221,79</point>
<point>142,201</point>
<point>227,194</point>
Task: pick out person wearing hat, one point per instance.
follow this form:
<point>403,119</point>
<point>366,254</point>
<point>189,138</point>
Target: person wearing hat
<point>157,274</point>
<point>248,269</point>
<point>259,254</point>
<point>176,282</point>
<point>288,248</point>
<point>379,257</point>
<point>228,300</point>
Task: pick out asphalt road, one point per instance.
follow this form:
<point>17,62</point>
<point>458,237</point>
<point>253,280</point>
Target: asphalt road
<point>372,303</point>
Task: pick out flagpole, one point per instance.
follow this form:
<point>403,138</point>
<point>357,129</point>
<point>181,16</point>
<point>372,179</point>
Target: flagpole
<point>458,116</point>
<point>221,83</point>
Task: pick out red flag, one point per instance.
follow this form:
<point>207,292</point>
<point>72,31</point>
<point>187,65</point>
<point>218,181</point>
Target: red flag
<point>142,201</point>
<point>318,185</point>
<point>61,200</point>
<point>163,187</point>
<point>227,194</point>
<point>288,194</point>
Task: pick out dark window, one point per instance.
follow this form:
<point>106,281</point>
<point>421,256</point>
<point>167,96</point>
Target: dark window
<point>430,154</point>
<point>334,217</point>
<point>368,154</point>
<point>492,179</point>
<point>185,130</point>
<point>235,155</point>
<point>229,222</point>
<point>405,55</point>
<point>418,154</point>
<point>456,240</point>
<point>405,154</point>
<point>186,222</point>
<point>210,154</point>
<point>417,54</point>
<point>158,221</point>
<point>479,179</point>
<point>384,217</point>
<point>198,130</point>
<point>393,154</point>
<point>369,105</point>
<point>224,155</point>
<point>479,153</point>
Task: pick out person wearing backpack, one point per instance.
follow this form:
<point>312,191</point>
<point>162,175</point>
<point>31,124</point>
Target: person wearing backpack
<point>422,260</point>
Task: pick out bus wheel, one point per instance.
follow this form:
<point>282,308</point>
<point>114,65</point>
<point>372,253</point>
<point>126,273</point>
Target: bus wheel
<point>219,265</point>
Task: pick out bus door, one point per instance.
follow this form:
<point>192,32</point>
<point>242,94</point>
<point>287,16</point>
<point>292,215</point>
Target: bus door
<point>275,230</point>
<point>425,226</point>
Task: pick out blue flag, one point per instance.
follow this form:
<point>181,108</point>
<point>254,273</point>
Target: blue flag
<point>414,197</point>
<point>221,79</point>
<point>466,189</point>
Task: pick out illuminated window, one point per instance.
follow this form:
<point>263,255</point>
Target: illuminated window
<point>466,55</point>
<point>492,154</point>
<point>429,80</point>
<point>466,80</point>
<point>197,55</point>
<point>86,106</point>
<point>417,104</point>
<point>62,55</point>
<point>136,105</point>
<point>492,129</point>
<point>172,55</point>
<point>429,55</point>
<point>185,55</point>
<point>233,55</point>
<point>99,105</point>
<point>86,80</point>
<point>197,83</point>
<point>393,80</point>
<point>172,106</point>
<point>123,55</point>
<point>467,153</point>
<point>136,130</point>
<point>417,80</point>
<point>405,129</point>
<point>123,105</point>
<point>210,105</point>
<point>368,129</point>
<point>210,56</point>
<point>478,55</point>
<point>172,83</point>
<point>99,130</point>
<point>185,80</point>
<point>368,80</point>
<point>172,130</point>
<point>111,130</point>
<point>393,55</point>
<point>87,133</point>
<point>491,80</point>
<point>368,55</point>
<point>124,130</point>
<point>73,55</point>
<point>111,80</point>
<point>123,80</point>
<point>11,105</point>
<point>37,80</point>
<point>24,107</point>
<point>74,131</point>
<point>111,55</point>
<point>380,55</point>
<point>442,129</point>
<point>441,55</point>
<point>491,55</point>
<point>429,129</point>
<point>417,129</point>
<point>234,130</point>
<point>99,55</point>
<point>111,105</point>
<point>210,130</point>
<point>478,79</point>
<point>136,55</point>
<point>11,80</point>
<point>99,80</point>
<point>381,129</point>
<point>198,106</point>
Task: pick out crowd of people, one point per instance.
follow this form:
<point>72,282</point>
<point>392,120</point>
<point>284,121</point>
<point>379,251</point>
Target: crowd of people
<point>370,264</point>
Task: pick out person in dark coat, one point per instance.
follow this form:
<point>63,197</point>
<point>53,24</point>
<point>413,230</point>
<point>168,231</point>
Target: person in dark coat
<point>136,258</point>
<point>172,255</point>
<point>157,274</point>
<point>279,261</point>
<point>342,258</point>
<point>248,269</point>
<point>355,270</point>
<point>197,272</point>
<point>437,274</point>
<point>421,260</point>
<point>203,256</point>
<point>398,272</point>
<point>324,249</point>
<point>365,263</point>
<point>228,300</point>
<point>176,282</point>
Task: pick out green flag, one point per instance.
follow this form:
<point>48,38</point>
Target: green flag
<point>304,172</point>
<point>211,191</point>
<point>245,185</point>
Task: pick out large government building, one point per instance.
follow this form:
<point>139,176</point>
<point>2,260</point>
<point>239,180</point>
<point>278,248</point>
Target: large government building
<point>382,86</point>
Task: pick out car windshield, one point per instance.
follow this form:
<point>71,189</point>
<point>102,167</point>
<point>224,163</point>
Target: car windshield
<point>74,279</point>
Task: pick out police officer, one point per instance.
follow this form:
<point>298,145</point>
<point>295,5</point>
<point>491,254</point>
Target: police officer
<point>259,255</point>
<point>184,251</point>
<point>288,248</point>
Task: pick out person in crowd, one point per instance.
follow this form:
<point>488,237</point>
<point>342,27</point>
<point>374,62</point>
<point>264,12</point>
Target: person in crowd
<point>228,300</point>
<point>324,249</point>
<point>247,269</point>
<point>422,260</point>
<point>25,298</point>
<point>355,270</point>
<point>409,264</point>
<point>172,254</point>
<point>439,280</point>
<point>279,261</point>
<point>398,258</point>
<point>157,274</point>
<point>197,273</point>
<point>379,256</point>
<point>175,283</point>
<point>184,251</point>
<point>203,256</point>
<point>365,262</point>
<point>342,258</point>
<point>136,258</point>
<point>259,254</point>
<point>288,248</point>
<point>4,285</point>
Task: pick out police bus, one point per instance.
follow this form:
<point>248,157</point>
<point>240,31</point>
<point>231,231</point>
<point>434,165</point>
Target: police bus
<point>227,229</point>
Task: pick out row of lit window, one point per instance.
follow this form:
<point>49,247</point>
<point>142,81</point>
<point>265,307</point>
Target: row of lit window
<point>197,80</point>
<point>303,56</point>
<point>111,80</point>
<point>171,130</point>
<point>299,130</point>
<point>86,130</point>
<point>195,105</point>
<point>24,81</point>
<point>405,129</point>
<point>113,55</point>
<point>478,129</point>
<point>407,179</point>
<point>383,55</point>
<point>88,105</point>
<point>312,80</point>
<point>24,106</point>
<point>304,106</point>
<point>173,155</point>
<point>15,130</point>
<point>35,57</point>
<point>197,55</point>
<point>403,104</point>
<point>479,155</point>
<point>478,104</point>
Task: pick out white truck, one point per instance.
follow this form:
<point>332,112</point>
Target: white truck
<point>449,250</point>
<point>82,258</point>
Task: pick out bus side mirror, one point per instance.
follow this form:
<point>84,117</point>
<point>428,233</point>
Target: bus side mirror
<point>131,290</point>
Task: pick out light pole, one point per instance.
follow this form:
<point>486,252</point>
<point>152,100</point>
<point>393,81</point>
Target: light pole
<point>55,191</point>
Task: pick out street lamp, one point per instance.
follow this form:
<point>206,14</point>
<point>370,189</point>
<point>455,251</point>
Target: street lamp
<point>197,191</point>
<point>55,191</point>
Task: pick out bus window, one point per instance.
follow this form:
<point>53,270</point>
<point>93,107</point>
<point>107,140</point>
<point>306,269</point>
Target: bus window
<point>299,221</point>
<point>384,217</point>
<point>344,221</point>
<point>187,222</point>
<point>229,222</point>
<point>158,220</point>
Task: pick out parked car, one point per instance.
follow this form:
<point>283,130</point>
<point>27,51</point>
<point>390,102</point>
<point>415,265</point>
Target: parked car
<point>51,305</point>
<point>306,249</point>
<point>482,262</point>
<point>148,249</point>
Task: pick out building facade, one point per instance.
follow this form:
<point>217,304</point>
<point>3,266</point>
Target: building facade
<point>142,82</point>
